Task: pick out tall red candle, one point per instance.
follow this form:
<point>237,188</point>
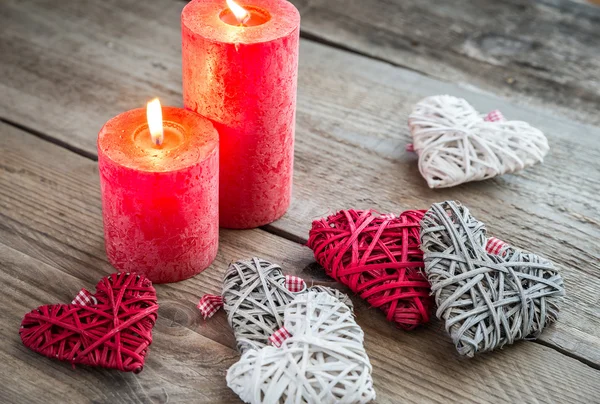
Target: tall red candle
<point>160,202</point>
<point>241,73</point>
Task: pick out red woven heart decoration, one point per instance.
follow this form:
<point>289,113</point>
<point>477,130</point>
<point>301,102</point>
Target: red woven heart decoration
<point>378,257</point>
<point>115,332</point>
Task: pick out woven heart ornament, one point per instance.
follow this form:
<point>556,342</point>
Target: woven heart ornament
<point>255,294</point>
<point>488,293</point>
<point>379,258</point>
<point>111,328</point>
<point>322,362</point>
<point>456,144</point>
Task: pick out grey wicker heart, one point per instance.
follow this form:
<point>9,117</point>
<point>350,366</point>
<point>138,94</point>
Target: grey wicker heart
<point>255,296</point>
<point>486,300</point>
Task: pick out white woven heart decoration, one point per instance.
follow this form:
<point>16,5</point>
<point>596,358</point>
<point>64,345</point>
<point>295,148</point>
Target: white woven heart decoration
<point>324,361</point>
<point>456,144</point>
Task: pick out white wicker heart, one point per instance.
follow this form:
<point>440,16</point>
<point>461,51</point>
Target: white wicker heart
<point>456,144</point>
<point>324,361</point>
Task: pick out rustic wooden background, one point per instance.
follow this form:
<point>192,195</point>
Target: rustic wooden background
<point>68,66</point>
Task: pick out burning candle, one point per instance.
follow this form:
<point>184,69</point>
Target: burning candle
<point>159,179</point>
<point>240,67</point>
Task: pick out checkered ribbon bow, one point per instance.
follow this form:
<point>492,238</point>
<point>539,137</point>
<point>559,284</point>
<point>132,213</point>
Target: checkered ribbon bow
<point>277,338</point>
<point>294,284</point>
<point>84,297</point>
<point>495,246</point>
<point>210,304</point>
<point>492,116</point>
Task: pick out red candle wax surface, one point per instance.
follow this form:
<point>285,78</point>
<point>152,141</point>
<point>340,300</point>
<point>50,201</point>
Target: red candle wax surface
<point>160,203</point>
<point>244,79</point>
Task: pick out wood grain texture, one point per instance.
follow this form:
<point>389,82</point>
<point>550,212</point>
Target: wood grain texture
<point>29,377</point>
<point>68,72</point>
<point>350,153</point>
<point>544,52</point>
<point>50,216</point>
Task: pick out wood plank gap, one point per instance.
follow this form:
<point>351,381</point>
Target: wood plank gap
<point>309,36</point>
<point>49,138</point>
<point>567,353</point>
<point>280,232</point>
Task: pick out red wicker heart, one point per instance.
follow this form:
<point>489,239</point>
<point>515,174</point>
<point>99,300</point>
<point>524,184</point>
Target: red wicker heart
<point>115,332</point>
<point>378,257</point>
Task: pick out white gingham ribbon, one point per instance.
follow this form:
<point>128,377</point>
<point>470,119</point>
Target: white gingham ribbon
<point>495,246</point>
<point>277,338</point>
<point>294,283</point>
<point>209,305</point>
<point>84,297</point>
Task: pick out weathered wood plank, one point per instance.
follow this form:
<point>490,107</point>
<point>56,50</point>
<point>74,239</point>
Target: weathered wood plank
<point>544,52</point>
<point>28,283</point>
<point>86,61</point>
<point>350,153</point>
<point>52,212</point>
<point>42,262</point>
<point>351,136</point>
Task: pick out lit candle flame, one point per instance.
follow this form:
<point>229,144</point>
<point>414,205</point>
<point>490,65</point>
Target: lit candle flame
<point>155,122</point>
<point>240,13</point>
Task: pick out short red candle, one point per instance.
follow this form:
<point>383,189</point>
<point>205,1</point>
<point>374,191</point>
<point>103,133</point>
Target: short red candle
<point>243,77</point>
<point>160,203</point>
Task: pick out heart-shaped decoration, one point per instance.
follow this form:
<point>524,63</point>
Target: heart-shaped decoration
<point>255,294</point>
<point>324,360</point>
<point>457,144</point>
<point>111,328</point>
<point>488,293</point>
<point>379,258</point>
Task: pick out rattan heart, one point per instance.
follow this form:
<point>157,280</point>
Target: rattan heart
<point>486,300</point>
<point>113,333</point>
<point>379,258</point>
<point>255,294</point>
<point>456,144</point>
<point>324,361</point>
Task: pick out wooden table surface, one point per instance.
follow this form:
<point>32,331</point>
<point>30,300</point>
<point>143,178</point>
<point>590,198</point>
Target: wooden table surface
<point>68,66</point>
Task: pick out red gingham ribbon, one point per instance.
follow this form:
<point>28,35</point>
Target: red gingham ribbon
<point>495,246</point>
<point>209,305</point>
<point>84,298</point>
<point>294,283</point>
<point>494,116</point>
<point>277,338</point>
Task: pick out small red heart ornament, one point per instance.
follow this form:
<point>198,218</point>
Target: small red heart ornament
<point>111,328</point>
<point>379,258</point>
